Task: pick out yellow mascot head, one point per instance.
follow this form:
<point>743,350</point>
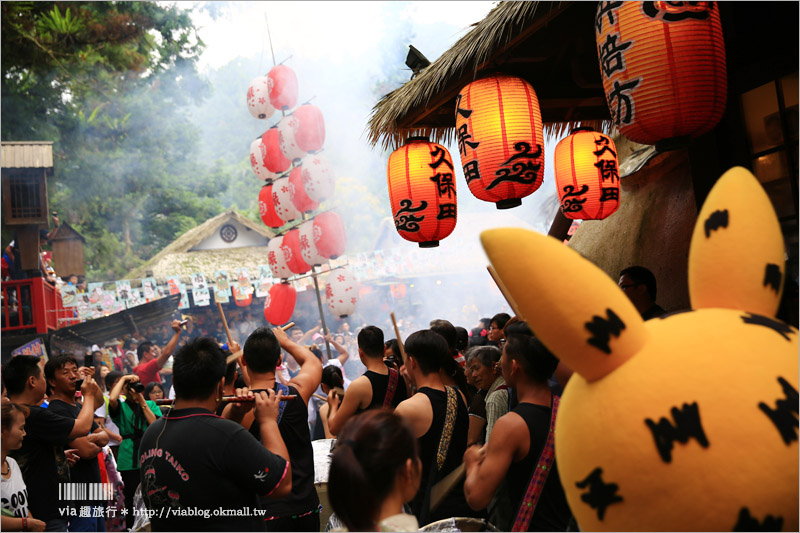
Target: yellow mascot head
<point>684,422</point>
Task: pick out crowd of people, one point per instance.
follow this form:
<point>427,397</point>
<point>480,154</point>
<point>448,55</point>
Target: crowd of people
<point>215,432</point>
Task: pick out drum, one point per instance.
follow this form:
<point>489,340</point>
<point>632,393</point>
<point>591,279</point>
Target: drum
<point>322,464</point>
<point>460,524</point>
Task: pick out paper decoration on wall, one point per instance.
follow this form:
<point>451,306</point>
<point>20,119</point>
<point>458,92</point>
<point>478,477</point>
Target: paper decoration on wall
<point>245,285</point>
<point>95,294</point>
<point>221,277</point>
<point>222,295</point>
<point>123,290</point>
<point>149,288</point>
<point>198,281</point>
<point>184,297</point>
<point>201,297</point>
<point>134,299</point>
<point>264,281</point>
<point>174,284</point>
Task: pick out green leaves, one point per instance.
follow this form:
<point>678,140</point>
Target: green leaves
<point>54,22</point>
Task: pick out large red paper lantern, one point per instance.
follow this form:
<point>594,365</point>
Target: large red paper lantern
<point>309,235</point>
<point>257,154</point>
<point>332,239</point>
<point>282,198</point>
<point>274,159</point>
<point>422,191</point>
<point>318,179</point>
<point>258,98</point>
<point>341,292</point>
<point>266,208</point>
<point>282,87</point>
<point>298,194</point>
<point>279,303</point>
<point>500,139</point>
<point>310,135</point>
<point>663,67</point>
<point>587,177</point>
<point>276,259</point>
<point>292,254</point>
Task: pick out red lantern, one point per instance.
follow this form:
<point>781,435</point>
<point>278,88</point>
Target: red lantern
<point>257,154</point>
<point>587,177</point>
<point>258,98</point>
<point>309,235</point>
<point>273,157</point>
<point>310,135</point>
<point>500,139</point>
<point>281,197</point>
<point>241,299</point>
<point>277,259</point>
<point>291,252</point>
<point>398,291</point>
<point>663,67</point>
<point>332,239</point>
<point>341,292</point>
<point>266,208</point>
<point>298,193</point>
<point>422,191</point>
<point>282,87</point>
<point>279,303</point>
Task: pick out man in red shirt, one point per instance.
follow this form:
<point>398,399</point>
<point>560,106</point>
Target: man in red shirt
<point>152,358</point>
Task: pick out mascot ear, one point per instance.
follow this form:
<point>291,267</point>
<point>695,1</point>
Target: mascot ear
<point>576,310</point>
<point>736,259</point>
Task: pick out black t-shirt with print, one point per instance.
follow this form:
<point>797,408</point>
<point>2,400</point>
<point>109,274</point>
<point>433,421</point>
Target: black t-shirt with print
<point>194,464</point>
<point>42,462</point>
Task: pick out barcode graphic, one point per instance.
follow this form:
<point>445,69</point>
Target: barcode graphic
<point>86,491</point>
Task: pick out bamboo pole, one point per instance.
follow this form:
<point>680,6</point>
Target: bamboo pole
<point>399,339</point>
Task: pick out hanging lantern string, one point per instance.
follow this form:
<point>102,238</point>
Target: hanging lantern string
<point>269,36</point>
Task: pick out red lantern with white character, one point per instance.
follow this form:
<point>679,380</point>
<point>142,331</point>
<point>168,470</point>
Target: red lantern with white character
<point>318,180</point>
<point>291,252</point>
<point>274,159</point>
<point>279,303</point>
<point>266,208</point>
<point>257,154</point>
<point>282,87</point>
<point>298,194</point>
<point>276,259</point>
<point>341,292</point>
<point>309,235</point>
<point>332,238</point>
<point>282,198</point>
<point>310,135</point>
<point>258,98</point>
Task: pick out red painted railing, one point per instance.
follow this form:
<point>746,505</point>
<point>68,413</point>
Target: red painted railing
<point>34,305</point>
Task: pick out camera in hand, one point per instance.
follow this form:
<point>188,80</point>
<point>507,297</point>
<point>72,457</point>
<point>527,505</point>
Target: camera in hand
<point>136,387</point>
<point>78,384</point>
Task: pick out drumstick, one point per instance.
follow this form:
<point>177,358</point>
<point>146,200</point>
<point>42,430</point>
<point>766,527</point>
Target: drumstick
<point>504,290</point>
<point>399,340</point>
<point>225,324</point>
<point>228,399</point>
<point>443,487</point>
<point>233,357</point>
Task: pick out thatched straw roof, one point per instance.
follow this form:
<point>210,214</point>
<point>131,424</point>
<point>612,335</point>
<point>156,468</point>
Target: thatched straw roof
<point>178,258</point>
<point>550,44</point>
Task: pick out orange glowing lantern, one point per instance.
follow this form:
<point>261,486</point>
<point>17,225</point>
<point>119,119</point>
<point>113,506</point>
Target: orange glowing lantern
<point>279,303</point>
<point>282,87</point>
<point>587,177</point>
<point>422,191</point>
<point>500,139</point>
<point>266,208</point>
<point>663,67</point>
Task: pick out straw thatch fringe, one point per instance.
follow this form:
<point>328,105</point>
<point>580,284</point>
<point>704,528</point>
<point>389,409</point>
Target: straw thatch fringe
<point>501,25</point>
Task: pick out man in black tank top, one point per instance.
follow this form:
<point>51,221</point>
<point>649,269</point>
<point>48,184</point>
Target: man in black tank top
<point>262,353</point>
<point>438,419</point>
<point>517,440</point>
<point>378,387</point>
